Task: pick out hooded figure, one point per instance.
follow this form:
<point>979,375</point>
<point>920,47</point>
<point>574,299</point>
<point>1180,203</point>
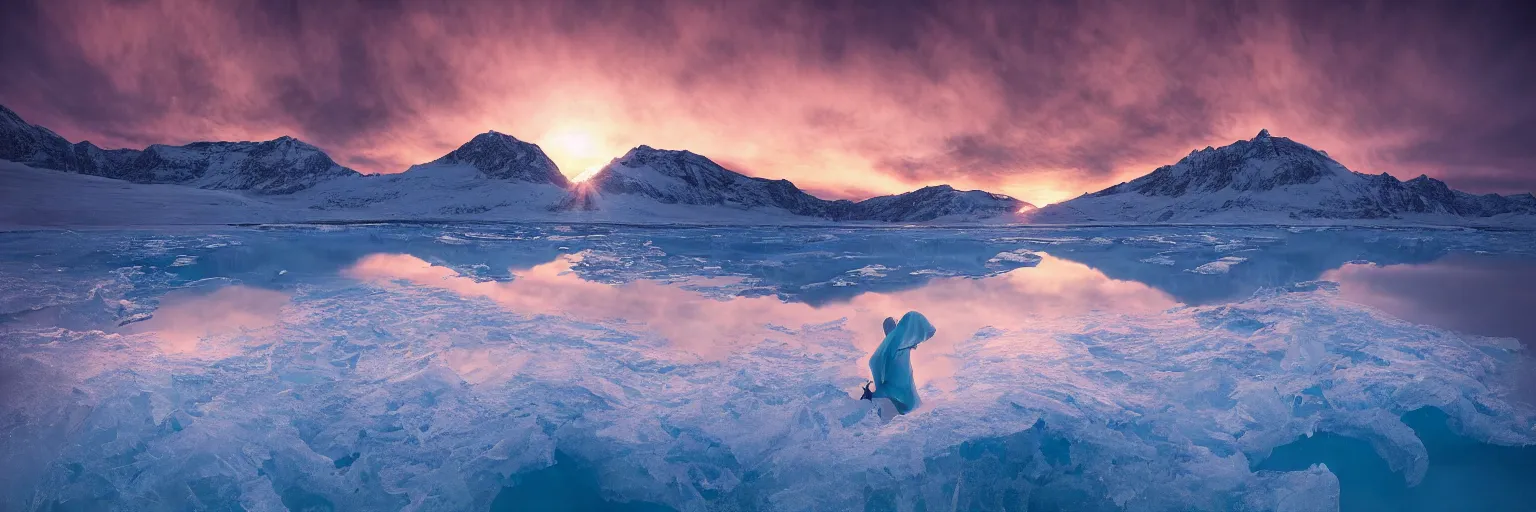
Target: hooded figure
<point>891,364</point>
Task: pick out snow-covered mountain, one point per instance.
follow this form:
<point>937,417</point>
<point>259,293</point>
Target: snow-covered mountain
<point>936,203</point>
<point>1275,179</point>
<point>686,178</point>
<point>31,197</point>
<point>37,146</point>
<point>279,166</point>
<point>502,157</point>
<point>648,175</point>
<point>1263,180</point>
<point>493,176</point>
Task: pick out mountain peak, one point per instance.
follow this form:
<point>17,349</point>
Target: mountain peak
<point>278,166</point>
<point>33,145</point>
<point>495,137</point>
<point>289,141</point>
<point>684,177</point>
<point>1274,178</point>
<point>502,156</point>
<point>934,202</point>
<point>646,151</point>
<point>1263,163</point>
<point>11,115</point>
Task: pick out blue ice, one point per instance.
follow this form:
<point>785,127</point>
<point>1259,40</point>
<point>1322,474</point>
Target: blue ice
<point>587,367</point>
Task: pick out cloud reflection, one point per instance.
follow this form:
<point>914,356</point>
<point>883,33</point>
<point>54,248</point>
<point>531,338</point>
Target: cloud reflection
<point>1487,296</point>
<point>212,323</point>
<point>700,326</point>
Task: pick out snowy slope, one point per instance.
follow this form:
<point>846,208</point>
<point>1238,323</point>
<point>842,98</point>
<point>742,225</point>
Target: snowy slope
<point>637,209</point>
<point>277,166</point>
<point>493,176</point>
<point>503,157</point>
<point>427,192</point>
<point>940,202</point>
<point>39,147</point>
<point>31,197</point>
<point>1276,180</point>
<point>683,177</point>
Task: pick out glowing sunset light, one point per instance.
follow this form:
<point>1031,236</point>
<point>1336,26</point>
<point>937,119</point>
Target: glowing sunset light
<point>1042,101</point>
<point>577,151</point>
<point>586,174</point>
<point>573,143</point>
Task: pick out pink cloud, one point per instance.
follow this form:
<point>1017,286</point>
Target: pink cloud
<point>1042,101</point>
<point>213,324</point>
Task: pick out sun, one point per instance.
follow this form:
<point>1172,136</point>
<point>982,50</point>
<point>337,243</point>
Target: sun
<point>586,174</point>
<point>574,148</point>
<point>573,142</point>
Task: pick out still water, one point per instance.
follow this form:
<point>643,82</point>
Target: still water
<point>493,366</point>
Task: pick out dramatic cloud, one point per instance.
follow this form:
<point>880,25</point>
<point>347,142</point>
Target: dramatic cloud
<point>1042,101</point>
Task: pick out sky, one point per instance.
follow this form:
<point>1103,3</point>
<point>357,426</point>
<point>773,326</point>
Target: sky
<point>1039,100</point>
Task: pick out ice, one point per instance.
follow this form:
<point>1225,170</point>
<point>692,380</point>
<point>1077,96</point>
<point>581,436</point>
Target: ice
<point>1017,256</point>
<point>1220,266</point>
<point>376,368</point>
<point>870,271</point>
<point>1313,489</point>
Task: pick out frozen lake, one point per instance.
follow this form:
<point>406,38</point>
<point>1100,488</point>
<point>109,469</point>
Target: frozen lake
<point>591,367</point>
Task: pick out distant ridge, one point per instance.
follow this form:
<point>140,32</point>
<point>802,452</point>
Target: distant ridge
<point>492,173</point>
<point>1275,179</point>
<point>279,166</point>
<point>683,177</point>
<point>1266,179</point>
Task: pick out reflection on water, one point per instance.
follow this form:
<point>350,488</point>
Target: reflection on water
<point>1213,267</point>
<point>1469,293</point>
<point>712,327</point>
<point>210,323</point>
<point>446,367</point>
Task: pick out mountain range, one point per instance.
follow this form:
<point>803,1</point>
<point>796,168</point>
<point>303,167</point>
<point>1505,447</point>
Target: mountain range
<point>1270,179</point>
<point>279,166</point>
<point>686,178</point>
<point>495,176</point>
